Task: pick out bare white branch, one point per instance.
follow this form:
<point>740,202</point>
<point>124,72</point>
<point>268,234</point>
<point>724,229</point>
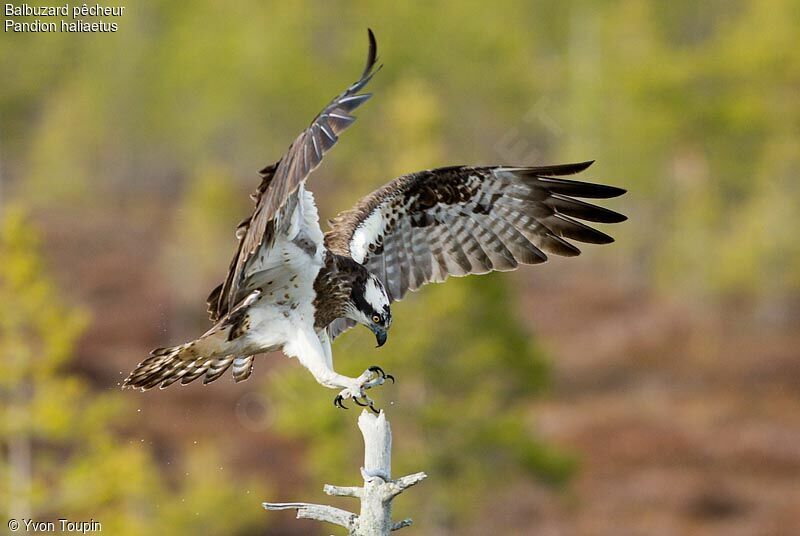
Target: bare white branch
<point>320,512</point>
<point>375,517</point>
<point>377,444</point>
<point>402,524</point>
<point>396,487</point>
<point>342,491</point>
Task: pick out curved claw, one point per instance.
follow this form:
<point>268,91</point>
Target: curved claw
<point>338,402</point>
<point>377,370</point>
<point>360,403</point>
<point>381,373</point>
<point>372,407</point>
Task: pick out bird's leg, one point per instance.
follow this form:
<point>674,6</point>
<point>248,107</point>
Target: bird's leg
<point>314,354</point>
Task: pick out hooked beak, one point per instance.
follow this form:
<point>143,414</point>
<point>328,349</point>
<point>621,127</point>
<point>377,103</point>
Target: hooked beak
<point>380,335</point>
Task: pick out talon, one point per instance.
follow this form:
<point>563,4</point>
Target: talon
<point>338,402</point>
<point>373,409</point>
<point>381,373</point>
<point>360,403</point>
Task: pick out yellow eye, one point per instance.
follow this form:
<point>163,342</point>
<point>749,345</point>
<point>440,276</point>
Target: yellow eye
<point>376,318</point>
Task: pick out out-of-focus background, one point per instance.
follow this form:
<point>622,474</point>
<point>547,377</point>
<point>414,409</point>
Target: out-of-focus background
<point>647,387</point>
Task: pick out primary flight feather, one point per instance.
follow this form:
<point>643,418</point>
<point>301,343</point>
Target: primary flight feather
<point>291,288</point>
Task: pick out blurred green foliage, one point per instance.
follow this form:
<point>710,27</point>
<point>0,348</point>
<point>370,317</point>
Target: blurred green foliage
<point>63,454</point>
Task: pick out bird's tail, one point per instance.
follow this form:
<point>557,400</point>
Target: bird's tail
<point>205,356</point>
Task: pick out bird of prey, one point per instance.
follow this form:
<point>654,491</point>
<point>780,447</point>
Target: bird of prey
<point>291,288</point>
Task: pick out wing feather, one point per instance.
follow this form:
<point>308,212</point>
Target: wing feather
<point>502,258</point>
<point>460,220</point>
<point>276,197</point>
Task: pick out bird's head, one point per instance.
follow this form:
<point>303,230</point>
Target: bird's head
<point>370,306</point>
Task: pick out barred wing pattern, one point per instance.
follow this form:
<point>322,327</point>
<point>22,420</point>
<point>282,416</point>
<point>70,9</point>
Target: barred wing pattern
<point>461,220</point>
<point>276,196</point>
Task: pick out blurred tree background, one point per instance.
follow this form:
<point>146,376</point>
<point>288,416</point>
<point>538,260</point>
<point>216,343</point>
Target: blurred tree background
<point>135,151</point>
<point>64,455</point>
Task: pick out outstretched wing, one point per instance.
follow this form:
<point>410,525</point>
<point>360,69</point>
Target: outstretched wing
<point>429,225</point>
<point>276,197</point>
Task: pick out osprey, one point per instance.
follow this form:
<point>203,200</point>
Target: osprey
<point>290,287</point>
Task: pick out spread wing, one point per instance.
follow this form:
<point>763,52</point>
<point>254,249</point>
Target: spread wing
<point>461,220</point>
<point>276,197</point>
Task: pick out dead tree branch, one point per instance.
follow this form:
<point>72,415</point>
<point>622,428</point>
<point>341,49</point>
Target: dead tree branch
<point>377,493</point>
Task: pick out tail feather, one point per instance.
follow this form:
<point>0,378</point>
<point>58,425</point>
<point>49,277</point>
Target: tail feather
<point>162,367</point>
<point>166,366</point>
<point>242,367</point>
<point>216,368</point>
<point>210,355</point>
<point>192,370</point>
<point>180,371</point>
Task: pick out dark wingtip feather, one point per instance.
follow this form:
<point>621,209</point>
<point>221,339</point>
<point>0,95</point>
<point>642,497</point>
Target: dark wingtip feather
<point>369,68</point>
<point>615,191</point>
<point>597,238</point>
<point>559,169</point>
<point>548,174</point>
<point>566,227</point>
<point>580,189</point>
<point>582,210</point>
<point>558,246</point>
<point>372,55</point>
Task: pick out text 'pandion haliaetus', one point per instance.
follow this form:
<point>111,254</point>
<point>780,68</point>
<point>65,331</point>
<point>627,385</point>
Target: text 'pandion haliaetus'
<point>292,288</point>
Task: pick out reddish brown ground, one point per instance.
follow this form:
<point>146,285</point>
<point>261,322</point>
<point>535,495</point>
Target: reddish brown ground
<point>686,416</point>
